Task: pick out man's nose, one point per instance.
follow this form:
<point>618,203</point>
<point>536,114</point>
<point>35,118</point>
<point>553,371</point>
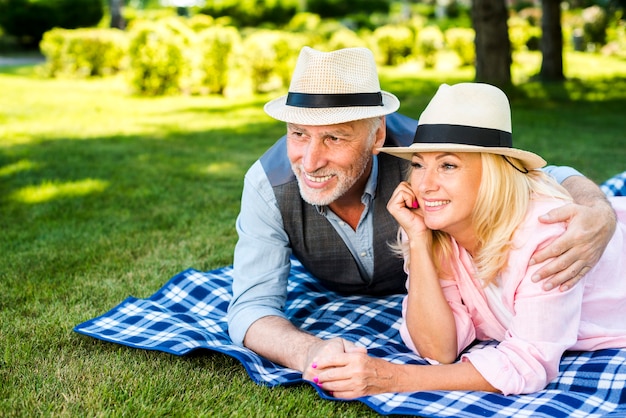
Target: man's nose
<point>314,156</point>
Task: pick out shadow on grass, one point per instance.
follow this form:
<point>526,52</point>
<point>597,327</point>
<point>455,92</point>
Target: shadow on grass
<point>91,207</point>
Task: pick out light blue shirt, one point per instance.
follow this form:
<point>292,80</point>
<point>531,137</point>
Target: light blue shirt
<point>262,264</point>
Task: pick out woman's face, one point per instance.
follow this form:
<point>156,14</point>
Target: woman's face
<point>446,186</point>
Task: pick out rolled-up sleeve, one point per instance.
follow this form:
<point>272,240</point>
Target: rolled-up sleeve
<point>261,260</point>
<point>560,173</point>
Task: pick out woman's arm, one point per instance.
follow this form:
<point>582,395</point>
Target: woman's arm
<point>362,375</point>
<point>428,317</point>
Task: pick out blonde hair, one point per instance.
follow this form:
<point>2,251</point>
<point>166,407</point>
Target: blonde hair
<point>503,200</point>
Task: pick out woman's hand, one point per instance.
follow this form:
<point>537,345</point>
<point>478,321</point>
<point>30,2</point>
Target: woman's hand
<point>356,374</point>
<point>404,207</point>
<point>326,353</point>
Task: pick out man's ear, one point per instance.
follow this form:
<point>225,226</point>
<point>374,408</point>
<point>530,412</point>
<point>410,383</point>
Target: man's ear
<point>381,135</point>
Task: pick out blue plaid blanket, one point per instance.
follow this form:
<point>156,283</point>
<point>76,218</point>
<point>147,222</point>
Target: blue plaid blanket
<point>615,186</point>
<point>189,313</point>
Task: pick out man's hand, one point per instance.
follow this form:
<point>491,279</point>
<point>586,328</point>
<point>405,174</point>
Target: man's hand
<point>325,353</point>
<point>590,226</point>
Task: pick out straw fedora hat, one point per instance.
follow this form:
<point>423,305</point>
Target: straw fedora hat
<point>333,87</point>
<point>467,117</point>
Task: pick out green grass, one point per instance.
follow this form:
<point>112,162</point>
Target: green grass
<point>104,195</point>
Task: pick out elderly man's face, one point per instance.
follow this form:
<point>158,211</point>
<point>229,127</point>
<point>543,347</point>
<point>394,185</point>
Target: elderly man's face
<point>328,160</point>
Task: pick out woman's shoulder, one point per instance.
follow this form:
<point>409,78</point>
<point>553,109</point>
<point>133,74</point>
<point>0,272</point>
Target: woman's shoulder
<point>532,229</point>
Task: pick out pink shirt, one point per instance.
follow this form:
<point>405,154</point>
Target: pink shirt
<point>542,325</point>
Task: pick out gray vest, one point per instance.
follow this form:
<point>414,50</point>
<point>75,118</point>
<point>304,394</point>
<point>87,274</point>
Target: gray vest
<point>315,242</point>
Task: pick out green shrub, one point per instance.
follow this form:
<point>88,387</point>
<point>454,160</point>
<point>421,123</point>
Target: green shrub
<point>200,22</point>
<point>216,47</point>
<point>342,8</point>
<point>616,37</point>
<point>392,44</point>
<point>595,23</point>
<point>157,62</point>
<point>252,13</point>
<point>310,29</point>
<point>270,57</point>
<point>429,42</point>
<point>303,22</point>
<point>28,20</point>
<point>523,35</point>
<point>345,38</point>
<point>83,52</point>
<point>461,41</point>
<point>74,14</point>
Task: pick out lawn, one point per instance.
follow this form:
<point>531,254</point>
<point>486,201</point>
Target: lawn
<point>104,195</point>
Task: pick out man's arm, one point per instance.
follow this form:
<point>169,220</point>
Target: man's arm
<point>260,272</point>
<point>261,262</point>
<point>280,341</point>
<point>590,225</point>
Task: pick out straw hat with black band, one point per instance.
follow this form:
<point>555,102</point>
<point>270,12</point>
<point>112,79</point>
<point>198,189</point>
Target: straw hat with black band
<point>328,88</point>
<point>468,117</point>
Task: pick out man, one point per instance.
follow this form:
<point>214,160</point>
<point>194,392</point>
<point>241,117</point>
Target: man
<point>319,191</point>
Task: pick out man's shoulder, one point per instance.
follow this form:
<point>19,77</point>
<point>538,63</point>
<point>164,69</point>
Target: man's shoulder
<point>400,130</point>
<point>276,164</point>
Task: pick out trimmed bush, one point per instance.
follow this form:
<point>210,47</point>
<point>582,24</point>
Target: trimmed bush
<point>345,38</point>
<point>595,23</point>
<point>270,57</point>
<point>393,43</point>
<point>83,52</point>
<point>461,41</point>
<point>216,48</point>
<point>157,61</point>
<point>523,35</point>
<point>429,42</point>
<point>341,8</point>
<point>252,13</point>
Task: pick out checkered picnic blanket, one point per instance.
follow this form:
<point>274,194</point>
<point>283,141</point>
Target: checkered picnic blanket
<point>615,186</point>
<point>189,313</point>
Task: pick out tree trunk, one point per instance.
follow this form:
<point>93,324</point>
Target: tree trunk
<point>493,47</point>
<point>117,20</point>
<point>551,41</point>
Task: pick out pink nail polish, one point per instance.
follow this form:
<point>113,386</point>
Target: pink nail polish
<point>314,365</point>
<point>316,379</point>
<point>415,204</point>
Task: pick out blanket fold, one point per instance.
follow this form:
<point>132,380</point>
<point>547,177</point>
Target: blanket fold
<point>189,313</point>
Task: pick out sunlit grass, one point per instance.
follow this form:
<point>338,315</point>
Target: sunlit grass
<point>94,108</point>
<point>51,190</point>
<point>18,166</point>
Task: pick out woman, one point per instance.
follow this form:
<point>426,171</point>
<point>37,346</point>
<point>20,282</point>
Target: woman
<point>468,216</point>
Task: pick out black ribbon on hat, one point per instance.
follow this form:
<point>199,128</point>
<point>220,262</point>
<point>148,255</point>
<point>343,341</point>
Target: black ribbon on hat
<point>334,100</point>
<point>466,135</point>
<point>461,134</point>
